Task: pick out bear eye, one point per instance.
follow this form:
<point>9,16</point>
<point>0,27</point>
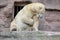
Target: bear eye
<point>40,8</point>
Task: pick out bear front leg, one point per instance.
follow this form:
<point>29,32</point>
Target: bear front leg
<point>27,20</point>
<point>35,26</point>
<point>36,23</point>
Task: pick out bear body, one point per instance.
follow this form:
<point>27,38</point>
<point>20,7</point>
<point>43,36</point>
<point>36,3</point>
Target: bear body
<point>28,17</point>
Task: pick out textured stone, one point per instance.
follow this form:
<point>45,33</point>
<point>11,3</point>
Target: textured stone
<point>3,3</point>
<point>52,17</point>
<point>32,35</point>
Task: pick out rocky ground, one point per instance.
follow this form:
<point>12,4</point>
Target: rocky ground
<point>33,35</point>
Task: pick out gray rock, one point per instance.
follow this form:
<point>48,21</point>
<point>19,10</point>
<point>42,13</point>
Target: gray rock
<point>32,35</point>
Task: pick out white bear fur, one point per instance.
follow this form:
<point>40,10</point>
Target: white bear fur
<point>28,17</point>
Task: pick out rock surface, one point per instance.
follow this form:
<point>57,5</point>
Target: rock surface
<point>6,16</point>
<point>6,12</point>
<point>33,35</point>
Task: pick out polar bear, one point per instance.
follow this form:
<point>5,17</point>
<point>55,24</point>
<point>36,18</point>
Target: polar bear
<point>28,17</point>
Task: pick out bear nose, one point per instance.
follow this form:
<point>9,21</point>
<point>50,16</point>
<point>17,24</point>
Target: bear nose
<point>41,15</point>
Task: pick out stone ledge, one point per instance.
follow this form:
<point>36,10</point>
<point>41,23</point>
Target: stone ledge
<point>32,35</point>
<point>3,5</point>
